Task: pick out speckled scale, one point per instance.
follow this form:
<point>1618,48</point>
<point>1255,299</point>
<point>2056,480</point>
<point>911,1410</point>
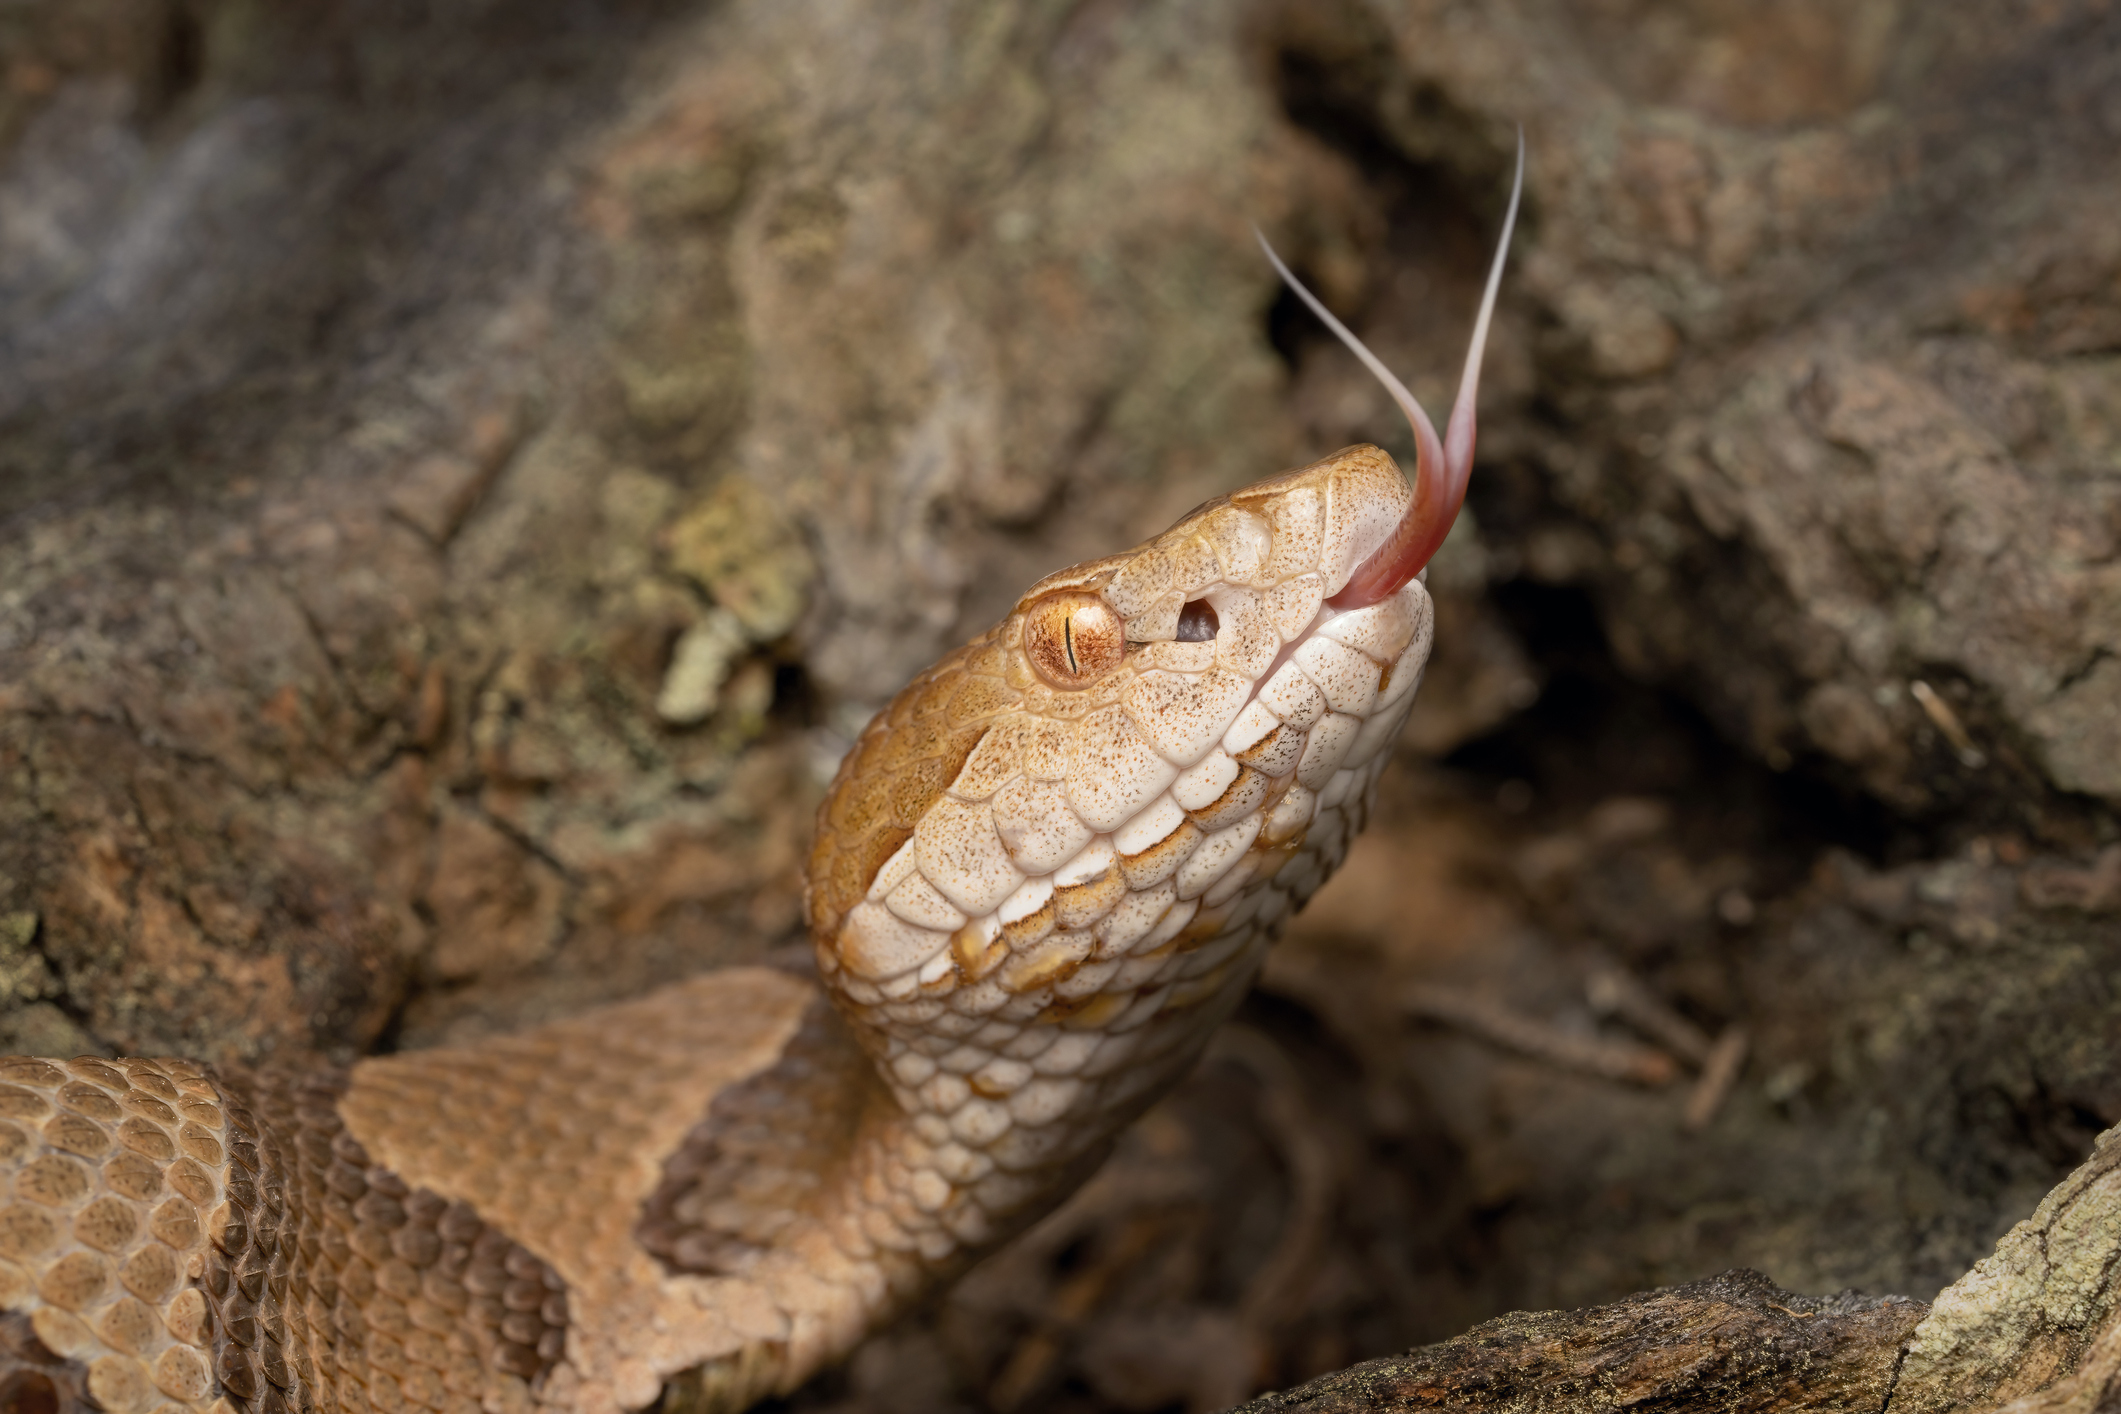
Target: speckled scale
<point>239,1270</point>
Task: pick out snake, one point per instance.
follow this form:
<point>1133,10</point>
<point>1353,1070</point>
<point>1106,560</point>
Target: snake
<point>1040,878</point>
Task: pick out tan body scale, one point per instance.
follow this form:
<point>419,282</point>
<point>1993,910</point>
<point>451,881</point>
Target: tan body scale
<point>1043,874</point>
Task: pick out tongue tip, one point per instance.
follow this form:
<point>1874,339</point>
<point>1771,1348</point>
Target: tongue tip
<point>1442,468</point>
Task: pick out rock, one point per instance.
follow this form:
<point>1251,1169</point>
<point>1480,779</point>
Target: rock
<point>699,665</point>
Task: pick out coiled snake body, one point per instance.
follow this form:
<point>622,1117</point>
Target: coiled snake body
<point>1042,876</point>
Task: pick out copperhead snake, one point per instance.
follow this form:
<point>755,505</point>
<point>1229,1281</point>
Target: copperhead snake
<point>1041,877</point>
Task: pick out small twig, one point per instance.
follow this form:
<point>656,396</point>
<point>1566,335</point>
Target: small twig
<point>1492,1021</point>
<point>1616,993</point>
<point>1719,1072</point>
<point>1945,720</point>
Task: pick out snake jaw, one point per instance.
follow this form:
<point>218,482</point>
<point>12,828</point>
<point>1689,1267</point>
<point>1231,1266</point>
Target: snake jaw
<point>1442,467</point>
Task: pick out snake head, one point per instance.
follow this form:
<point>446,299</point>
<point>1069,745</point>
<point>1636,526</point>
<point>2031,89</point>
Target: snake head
<point>1226,676</point>
<point>1146,736</point>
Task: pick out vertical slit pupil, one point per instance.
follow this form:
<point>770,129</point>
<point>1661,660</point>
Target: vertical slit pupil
<point>1068,640</point>
<point>1197,622</point>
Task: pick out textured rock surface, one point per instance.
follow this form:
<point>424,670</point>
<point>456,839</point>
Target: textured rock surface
<point>377,666</point>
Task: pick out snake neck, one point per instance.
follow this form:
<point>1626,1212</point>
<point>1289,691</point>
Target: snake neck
<point>995,1071</point>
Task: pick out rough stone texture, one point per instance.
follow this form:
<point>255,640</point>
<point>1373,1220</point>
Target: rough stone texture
<point>376,382</point>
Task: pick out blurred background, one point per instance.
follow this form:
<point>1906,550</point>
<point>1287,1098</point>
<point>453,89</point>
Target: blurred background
<point>467,469</point>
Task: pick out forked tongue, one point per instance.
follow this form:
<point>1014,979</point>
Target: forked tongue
<point>1441,469</point>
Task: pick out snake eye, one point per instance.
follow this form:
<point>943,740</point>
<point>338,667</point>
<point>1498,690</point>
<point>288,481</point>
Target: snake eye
<point>1073,638</point>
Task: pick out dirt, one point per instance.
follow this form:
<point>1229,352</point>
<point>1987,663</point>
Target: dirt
<point>379,388</point>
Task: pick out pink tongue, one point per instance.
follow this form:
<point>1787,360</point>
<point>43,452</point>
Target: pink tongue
<point>1441,469</point>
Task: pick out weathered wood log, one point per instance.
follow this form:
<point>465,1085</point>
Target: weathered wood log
<point>2033,1329</point>
<point>1736,1342</point>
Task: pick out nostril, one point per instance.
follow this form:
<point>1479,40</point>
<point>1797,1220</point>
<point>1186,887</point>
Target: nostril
<point>1197,622</point>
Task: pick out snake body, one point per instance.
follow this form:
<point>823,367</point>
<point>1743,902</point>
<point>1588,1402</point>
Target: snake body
<point>1041,877</point>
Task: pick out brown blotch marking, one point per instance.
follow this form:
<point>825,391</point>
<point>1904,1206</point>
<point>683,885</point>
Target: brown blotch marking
<point>931,698</point>
<point>859,805</point>
<point>312,1225</point>
<point>918,788</point>
<point>36,1380</point>
<point>764,1152</point>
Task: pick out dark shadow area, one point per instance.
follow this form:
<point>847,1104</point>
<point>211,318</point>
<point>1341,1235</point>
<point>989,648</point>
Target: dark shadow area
<point>1596,733</point>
